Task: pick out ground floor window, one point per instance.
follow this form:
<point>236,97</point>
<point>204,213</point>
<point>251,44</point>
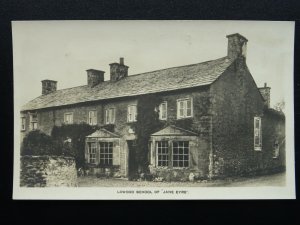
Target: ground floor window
<point>175,153</point>
<point>162,153</point>
<point>106,153</point>
<point>180,154</point>
<point>92,152</point>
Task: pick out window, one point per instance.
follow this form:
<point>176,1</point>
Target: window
<point>180,154</point>
<point>257,134</point>
<point>106,153</point>
<point>276,149</point>
<point>92,152</point>
<point>162,149</point>
<point>68,118</point>
<point>33,122</point>
<point>163,111</point>
<point>131,113</point>
<point>92,118</point>
<point>110,116</point>
<point>23,123</point>
<point>184,108</point>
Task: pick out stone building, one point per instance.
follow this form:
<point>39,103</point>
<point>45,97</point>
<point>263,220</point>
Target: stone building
<point>217,122</point>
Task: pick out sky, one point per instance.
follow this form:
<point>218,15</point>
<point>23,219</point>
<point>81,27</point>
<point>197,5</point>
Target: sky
<point>64,50</point>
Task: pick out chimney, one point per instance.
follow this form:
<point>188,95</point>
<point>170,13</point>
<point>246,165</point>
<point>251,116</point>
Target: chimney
<point>94,77</point>
<point>48,86</point>
<point>237,46</point>
<point>118,70</point>
<point>265,92</point>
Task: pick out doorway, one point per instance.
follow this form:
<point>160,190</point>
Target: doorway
<point>132,164</point>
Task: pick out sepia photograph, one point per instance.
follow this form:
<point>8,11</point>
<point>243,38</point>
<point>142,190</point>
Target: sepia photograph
<point>185,109</point>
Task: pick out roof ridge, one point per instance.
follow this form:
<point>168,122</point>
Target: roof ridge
<point>178,66</point>
<point>186,76</point>
<point>144,73</point>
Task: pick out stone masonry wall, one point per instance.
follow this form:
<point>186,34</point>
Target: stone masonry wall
<point>236,101</point>
<point>48,171</point>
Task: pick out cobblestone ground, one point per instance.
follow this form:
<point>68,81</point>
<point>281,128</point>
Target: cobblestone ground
<point>269,180</point>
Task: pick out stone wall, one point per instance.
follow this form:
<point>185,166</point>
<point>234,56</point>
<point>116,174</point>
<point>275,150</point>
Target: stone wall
<point>236,101</point>
<point>48,171</point>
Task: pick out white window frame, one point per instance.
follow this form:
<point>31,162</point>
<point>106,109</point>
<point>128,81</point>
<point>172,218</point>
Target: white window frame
<point>178,154</point>
<point>110,117</point>
<point>92,117</point>
<point>132,118</point>
<point>92,151</point>
<point>33,122</point>
<point>105,154</point>
<point>184,100</point>
<point>161,111</point>
<point>157,148</point>
<point>257,134</point>
<point>23,123</point>
<point>276,149</point>
<point>65,117</point>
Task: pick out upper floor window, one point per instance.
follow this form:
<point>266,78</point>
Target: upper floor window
<point>33,122</point>
<point>68,118</point>
<point>110,116</point>
<point>184,108</point>
<point>163,111</point>
<point>23,123</point>
<point>92,117</point>
<point>131,113</point>
<point>257,134</point>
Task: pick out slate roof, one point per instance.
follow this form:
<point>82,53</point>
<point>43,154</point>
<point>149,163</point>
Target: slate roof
<point>174,131</point>
<point>188,76</point>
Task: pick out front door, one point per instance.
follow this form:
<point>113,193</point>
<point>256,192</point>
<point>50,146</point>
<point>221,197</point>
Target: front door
<point>132,165</point>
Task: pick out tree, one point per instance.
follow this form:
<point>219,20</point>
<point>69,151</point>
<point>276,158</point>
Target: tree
<point>39,143</point>
<point>280,106</point>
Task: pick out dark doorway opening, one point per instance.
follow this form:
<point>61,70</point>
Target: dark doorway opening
<point>132,162</point>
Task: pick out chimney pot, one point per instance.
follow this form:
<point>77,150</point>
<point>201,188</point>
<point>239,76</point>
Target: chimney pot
<point>118,70</point>
<point>266,92</point>
<point>121,61</point>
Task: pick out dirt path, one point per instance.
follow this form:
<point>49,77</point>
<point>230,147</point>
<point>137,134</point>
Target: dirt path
<point>270,180</point>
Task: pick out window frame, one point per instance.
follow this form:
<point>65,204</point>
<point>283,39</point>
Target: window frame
<point>107,113</point>
<point>160,110</point>
<point>106,154</point>
<point>134,117</point>
<point>90,148</point>
<point>23,125</point>
<point>257,133</point>
<point>170,154</point>
<point>33,121</point>
<point>65,115</point>
<point>276,149</point>
<point>162,154</point>
<point>183,154</point>
<point>185,109</point>
<point>90,119</point>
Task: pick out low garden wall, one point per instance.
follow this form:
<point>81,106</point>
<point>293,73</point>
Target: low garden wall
<point>48,171</point>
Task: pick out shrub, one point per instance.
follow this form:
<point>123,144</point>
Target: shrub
<point>76,134</point>
<point>39,143</point>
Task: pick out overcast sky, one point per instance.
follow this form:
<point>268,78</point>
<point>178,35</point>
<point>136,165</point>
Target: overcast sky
<point>64,50</point>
